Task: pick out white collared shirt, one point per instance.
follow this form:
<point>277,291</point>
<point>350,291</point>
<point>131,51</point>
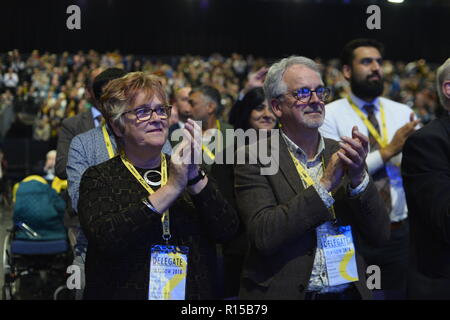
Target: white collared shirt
<point>95,113</point>
<point>339,121</point>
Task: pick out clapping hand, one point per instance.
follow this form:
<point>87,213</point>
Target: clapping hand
<point>399,139</point>
<point>194,134</point>
<point>182,159</point>
<point>353,154</point>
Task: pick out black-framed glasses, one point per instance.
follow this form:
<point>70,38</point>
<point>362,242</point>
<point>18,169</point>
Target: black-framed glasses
<point>144,113</point>
<point>303,95</point>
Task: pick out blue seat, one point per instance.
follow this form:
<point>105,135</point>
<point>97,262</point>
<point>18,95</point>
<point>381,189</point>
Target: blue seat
<point>34,247</point>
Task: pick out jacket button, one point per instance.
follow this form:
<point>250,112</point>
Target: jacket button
<point>301,288</point>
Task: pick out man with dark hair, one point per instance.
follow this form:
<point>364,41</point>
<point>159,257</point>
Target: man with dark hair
<point>348,53</point>
<point>103,79</point>
<point>388,124</point>
<point>206,107</point>
<point>181,107</point>
<point>426,176</point>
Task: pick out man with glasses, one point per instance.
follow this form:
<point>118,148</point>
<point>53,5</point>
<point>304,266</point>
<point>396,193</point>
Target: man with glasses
<point>300,220</point>
<point>388,124</point>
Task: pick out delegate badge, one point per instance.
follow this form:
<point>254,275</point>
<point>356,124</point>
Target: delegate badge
<point>168,270</point>
<point>340,257</point>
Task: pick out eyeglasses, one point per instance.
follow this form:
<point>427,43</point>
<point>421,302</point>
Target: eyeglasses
<point>303,95</point>
<point>144,113</point>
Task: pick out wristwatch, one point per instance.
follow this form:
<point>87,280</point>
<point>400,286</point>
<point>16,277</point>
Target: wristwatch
<point>201,175</point>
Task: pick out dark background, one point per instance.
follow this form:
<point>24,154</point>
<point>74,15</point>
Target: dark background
<point>267,28</point>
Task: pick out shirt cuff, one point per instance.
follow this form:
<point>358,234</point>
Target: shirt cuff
<point>327,199</point>
<point>374,161</point>
<point>361,188</point>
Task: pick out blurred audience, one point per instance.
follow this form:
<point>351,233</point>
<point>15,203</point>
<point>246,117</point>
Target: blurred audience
<point>51,87</point>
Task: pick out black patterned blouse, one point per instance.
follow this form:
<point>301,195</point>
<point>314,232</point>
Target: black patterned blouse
<point>121,231</point>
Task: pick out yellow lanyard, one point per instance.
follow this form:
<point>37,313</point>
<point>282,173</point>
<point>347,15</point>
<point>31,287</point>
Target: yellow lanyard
<point>382,141</point>
<point>165,217</point>
<point>304,176</point>
<point>205,148</point>
<point>108,143</point>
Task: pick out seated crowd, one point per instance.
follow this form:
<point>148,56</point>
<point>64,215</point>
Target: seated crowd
<point>46,88</point>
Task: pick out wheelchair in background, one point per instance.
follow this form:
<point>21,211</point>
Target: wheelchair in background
<point>34,269</point>
<point>36,251</point>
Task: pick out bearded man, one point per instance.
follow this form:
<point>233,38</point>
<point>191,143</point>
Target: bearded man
<point>388,124</point>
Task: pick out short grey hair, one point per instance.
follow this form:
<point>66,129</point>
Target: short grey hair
<point>274,86</point>
<point>443,74</point>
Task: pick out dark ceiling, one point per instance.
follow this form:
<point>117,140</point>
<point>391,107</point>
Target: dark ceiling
<point>420,3</point>
<point>269,28</point>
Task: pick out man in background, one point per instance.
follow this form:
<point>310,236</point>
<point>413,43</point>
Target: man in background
<point>181,108</point>
<point>388,124</point>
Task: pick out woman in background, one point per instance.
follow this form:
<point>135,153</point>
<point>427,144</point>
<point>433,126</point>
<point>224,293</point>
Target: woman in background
<point>254,112</point>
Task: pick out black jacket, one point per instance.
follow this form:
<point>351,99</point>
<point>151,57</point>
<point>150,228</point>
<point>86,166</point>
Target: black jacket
<point>426,179</point>
<point>121,230</point>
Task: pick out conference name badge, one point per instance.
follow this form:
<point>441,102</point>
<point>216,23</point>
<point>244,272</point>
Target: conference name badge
<point>340,258</point>
<point>168,270</point>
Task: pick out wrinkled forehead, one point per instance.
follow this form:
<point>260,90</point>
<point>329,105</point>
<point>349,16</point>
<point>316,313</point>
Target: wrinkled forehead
<point>299,76</point>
